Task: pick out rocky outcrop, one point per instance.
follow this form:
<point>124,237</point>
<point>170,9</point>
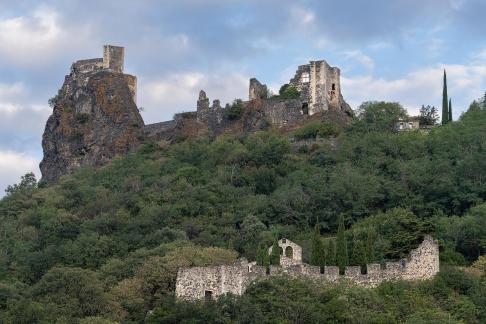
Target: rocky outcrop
<point>94,119</point>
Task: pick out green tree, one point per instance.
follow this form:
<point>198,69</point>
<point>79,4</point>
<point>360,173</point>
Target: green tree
<point>358,255</point>
<point>262,256</point>
<point>331,251</point>
<point>445,102</point>
<point>28,182</point>
<point>317,253</point>
<point>341,246</point>
<point>381,116</point>
<point>288,91</point>
<point>450,110</point>
<point>428,115</point>
<point>370,252</point>
<point>275,254</point>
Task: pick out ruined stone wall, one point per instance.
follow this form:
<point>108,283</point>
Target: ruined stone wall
<point>86,66</point>
<point>422,264</point>
<point>195,283</point>
<point>257,90</point>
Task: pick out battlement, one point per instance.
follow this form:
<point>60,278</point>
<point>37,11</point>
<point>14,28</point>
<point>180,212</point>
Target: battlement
<point>195,283</point>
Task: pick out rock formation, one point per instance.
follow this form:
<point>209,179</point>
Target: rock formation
<point>94,118</point>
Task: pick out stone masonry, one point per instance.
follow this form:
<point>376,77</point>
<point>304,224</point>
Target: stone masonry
<point>212,282</point>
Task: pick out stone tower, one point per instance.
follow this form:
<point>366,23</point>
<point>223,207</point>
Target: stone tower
<point>113,58</point>
<point>320,86</point>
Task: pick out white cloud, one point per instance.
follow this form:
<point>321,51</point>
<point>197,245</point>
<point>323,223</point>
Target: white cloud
<point>13,165</point>
<point>423,86</point>
<point>39,36</point>
<point>9,97</point>
<point>179,91</point>
<point>363,59</point>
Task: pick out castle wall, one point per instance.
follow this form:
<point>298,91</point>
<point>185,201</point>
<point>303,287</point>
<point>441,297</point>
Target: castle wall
<point>86,66</point>
<point>423,263</point>
<point>257,90</point>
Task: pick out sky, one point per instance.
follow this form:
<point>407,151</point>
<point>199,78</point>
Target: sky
<point>393,50</point>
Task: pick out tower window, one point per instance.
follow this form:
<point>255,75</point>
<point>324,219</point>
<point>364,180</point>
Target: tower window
<point>305,108</point>
<point>333,87</point>
<point>208,295</point>
<point>305,78</point>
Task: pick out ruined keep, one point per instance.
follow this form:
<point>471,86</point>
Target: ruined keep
<point>319,85</point>
<point>211,282</point>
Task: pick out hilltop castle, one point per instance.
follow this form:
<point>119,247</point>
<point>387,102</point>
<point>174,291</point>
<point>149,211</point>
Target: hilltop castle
<point>95,116</point>
<point>208,282</point>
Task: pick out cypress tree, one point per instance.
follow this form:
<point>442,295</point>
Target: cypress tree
<point>450,109</point>
<point>316,252</point>
<point>341,246</point>
<point>370,253</point>
<point>261,254</point>
<point>331,252</point>
<point>275,255</point>
<point>445,102</point>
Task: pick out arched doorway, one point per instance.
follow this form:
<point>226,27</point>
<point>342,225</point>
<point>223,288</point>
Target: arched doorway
<point>289,252</point>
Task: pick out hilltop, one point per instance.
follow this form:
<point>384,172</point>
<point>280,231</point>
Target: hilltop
<point>104,244</point>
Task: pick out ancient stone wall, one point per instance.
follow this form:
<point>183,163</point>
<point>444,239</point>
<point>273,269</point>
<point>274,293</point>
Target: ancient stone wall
<point>194,283</point>
<point>257,90</point>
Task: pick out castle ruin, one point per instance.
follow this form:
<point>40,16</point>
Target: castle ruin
<point>212,282</point>
<point>95,116</point>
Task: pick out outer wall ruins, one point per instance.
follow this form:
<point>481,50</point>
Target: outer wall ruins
<point>211,282</point>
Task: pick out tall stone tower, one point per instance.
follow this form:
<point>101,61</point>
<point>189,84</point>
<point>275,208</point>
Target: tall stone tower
<point>113,58</point>
<point>320,86</point>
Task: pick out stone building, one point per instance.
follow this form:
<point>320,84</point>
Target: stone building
<point>410,124</point>
<point>211,282</point>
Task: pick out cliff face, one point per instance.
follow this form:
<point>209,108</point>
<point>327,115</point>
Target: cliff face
<point>94,119</point>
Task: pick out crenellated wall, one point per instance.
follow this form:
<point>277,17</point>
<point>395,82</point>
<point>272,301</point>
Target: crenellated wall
<point>192,283</point>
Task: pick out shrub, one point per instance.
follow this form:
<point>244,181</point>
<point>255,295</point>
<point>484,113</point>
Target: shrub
<point>235,110</point>
<point>315,129</point>
<point>288,92</point>
<point>82,117</point>
<point>52,102</point>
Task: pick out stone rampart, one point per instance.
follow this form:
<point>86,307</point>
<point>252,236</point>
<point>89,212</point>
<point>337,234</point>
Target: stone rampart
<point>199,282</point>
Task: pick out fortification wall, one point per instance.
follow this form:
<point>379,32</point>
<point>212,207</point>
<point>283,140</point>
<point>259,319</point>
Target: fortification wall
<point>192,283</point>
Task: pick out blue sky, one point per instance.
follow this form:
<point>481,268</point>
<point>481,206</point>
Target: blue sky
<point>391,50</point>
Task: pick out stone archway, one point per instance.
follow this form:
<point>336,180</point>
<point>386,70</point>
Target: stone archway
<point>289,252</point>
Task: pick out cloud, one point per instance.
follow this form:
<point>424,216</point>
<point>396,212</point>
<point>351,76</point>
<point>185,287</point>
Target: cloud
<point>361,58</point>
<point>38,36</point>
<point>178,92</point>
<point>13,165</point>
<point>422,86</point>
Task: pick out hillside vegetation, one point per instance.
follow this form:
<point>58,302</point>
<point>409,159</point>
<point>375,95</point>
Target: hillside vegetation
<point>103,246</point>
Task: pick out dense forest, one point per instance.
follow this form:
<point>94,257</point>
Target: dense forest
<point>104,246</point>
